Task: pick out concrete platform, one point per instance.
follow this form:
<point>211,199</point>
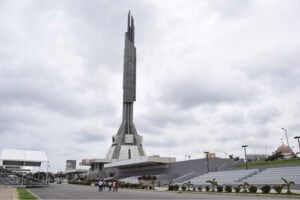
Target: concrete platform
<point>8,194</point>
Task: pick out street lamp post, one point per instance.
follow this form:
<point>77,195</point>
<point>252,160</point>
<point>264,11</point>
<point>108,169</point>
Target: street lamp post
<point>207,163</point>
<point>287,140</point>
<point>298,137</point>
<point>245,146</point>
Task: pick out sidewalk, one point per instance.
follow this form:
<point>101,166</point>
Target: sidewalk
<point>8,194</point>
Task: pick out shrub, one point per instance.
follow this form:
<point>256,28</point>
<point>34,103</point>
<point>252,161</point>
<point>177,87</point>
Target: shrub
<point>245,186</point>
<point>183,188</point>
<point>278,188</point>
<point>237,189</point>
<point>252,189</point>
<point>228,188</point>
<point>194,189</point>
<point>199,188</point>
<point>207,188</point>
<point>171,187</point>
<point>266,189</point>
<point>176,187</point>
<point>220,188</point>
<point>122,185</point>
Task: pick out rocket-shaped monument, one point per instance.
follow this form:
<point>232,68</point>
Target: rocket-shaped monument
<point>127,143</point>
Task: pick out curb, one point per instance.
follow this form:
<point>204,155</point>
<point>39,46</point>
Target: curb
<point>33,194</point>
<point>15,195</point>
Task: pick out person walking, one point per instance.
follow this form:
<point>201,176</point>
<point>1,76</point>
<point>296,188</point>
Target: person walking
<point>100,185</point>
<point>117,185</point>
<point>109,185</point>
<point>114,186</point>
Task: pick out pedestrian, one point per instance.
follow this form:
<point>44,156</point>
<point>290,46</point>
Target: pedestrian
<point>117,185</point>
<point>100,185</point>
<point>109,185</point>
<point>114,186</point>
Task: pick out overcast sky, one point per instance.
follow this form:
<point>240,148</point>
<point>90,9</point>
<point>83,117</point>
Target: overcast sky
<point>211,76</point>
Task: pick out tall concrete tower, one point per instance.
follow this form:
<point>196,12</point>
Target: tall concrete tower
<point>127,143</point>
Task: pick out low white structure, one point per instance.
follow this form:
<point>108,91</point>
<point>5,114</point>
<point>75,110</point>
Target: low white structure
<point>15,157</point>
<point>140,161</point>
<point>18,163</point>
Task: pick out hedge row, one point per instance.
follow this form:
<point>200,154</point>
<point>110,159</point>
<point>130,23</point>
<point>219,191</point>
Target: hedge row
<point>228,188</point>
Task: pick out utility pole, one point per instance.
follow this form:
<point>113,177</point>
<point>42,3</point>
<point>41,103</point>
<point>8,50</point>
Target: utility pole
<point>287,140</point>
<point>245,146</point>
<point>207,163</point>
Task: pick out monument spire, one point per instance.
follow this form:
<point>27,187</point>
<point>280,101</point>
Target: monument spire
<point>127,143</point>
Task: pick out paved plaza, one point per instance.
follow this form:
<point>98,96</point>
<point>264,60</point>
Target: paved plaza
<point>63,191</point>
<point>8,194</point>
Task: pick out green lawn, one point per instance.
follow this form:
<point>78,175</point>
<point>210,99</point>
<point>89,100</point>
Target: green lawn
<point>24,194</point>
<point>275,162</point>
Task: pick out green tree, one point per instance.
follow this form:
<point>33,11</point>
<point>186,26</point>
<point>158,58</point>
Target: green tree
<point>213,183</point>
<point>188,185</point>
<point>288,185</point>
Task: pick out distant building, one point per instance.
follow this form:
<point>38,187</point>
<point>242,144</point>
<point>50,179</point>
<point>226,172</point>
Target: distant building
<point>211,155</point>
<point>286,151</point>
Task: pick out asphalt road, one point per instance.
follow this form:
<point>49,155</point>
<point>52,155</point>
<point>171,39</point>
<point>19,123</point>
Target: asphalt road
<point>64,191</point>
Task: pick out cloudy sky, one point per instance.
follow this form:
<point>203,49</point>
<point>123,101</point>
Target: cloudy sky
<point>211,76</point>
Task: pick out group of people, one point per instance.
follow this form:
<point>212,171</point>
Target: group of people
<point>112,185</point>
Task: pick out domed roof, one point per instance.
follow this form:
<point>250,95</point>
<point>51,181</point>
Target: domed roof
<point>284,149</point>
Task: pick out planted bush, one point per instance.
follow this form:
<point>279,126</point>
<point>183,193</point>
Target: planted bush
<point>220,188</point>
<point>171,187</point>
<point>245,186</point>
<point>237,189</point>
<point>252,189</point>
<point>176,187</point>
<point>266,189</point>
<point>207,188</point>
<point>183,188</point>
<point>278,188</point>
<point>228,188</point>
<point>122,185</point>
<point>199,188</point>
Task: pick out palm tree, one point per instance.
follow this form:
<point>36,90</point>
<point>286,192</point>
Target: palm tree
<point>288,185</point>
<point>213,183</point>
<point>188,185</point>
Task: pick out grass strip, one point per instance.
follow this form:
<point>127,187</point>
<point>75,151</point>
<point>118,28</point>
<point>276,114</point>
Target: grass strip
<point>275,162</point>
<point>24,194</point>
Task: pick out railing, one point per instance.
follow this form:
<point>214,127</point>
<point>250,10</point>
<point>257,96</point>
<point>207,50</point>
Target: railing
<point>8,178</point>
